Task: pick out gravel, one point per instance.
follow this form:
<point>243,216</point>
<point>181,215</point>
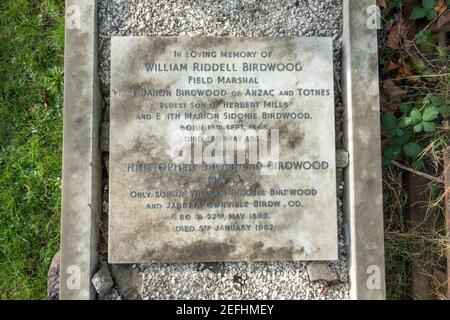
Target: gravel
<point>229,18</point>
<point>282,280</point>
<point>250,18</point>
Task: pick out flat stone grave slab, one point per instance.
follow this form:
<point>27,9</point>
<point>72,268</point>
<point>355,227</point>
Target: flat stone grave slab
<point>222,149</point>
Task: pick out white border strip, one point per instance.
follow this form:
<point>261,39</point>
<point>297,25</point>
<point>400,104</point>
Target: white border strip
<point>363,194</point>
<point>81,192</point>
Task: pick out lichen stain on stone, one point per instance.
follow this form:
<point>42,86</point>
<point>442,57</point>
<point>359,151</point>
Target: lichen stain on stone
<point>259,253</point>
<point>196,251</point>
<point>150,51</point>
<point>143,228</point>
<point>205,43</point>
<point>295,139</point>
<point>291,136</point>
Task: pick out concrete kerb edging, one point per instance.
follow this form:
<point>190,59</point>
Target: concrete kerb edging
<point>81,194</point>
<point>363,202</point>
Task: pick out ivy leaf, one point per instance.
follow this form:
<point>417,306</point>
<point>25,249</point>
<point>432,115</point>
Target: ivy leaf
<point>404,108</point>
<point>430,114</point>
<point>392,152</point>
<point>389,121</point>
<point>385,161</point>
<point>404,122</point>
<point>412,149</point>
<point>400,141</point>
<point>418,13</point>
<point>428,126</point>
<point>400,132</point>
<point>418,127</point>
<point>422,37</point>
<point>416,116</point>
<point>436,100</point>
<point>445,109</point>
<point>432,14</point>
<point>429,4</point>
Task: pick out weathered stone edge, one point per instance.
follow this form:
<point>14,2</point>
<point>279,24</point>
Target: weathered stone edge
<point>363,194</point>
<point>81,176</point>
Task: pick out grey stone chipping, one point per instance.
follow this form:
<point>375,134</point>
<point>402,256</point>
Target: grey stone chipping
<point>102,281</point>
<point>320,271</point>
<point>342,158</point>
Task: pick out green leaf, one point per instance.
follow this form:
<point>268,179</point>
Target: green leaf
<point>405,122</point>
<point>429,4</point>
<point>432,14</point>
<point>400,132</point>
<point>418,13</point>
<point>404,108</point>
<point>395,4</point>
<point>408,121</point>
<point>419,164</point>
<point>422,37</point>
<point>418,127</point>
<point>418,64</point>
<point>445,109</point>
<point>416,116</point>
<point>389,121</point>
<point>428,126</point>
<point>412,149</point>
<point>430,114</point>
<point>385,161</point>
<point>436,100</point>
<point>392,152</point>
<point>400,141</point>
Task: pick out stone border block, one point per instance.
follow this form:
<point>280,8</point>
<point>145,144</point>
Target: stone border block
<point>363,201</point>
<point>81,177</point>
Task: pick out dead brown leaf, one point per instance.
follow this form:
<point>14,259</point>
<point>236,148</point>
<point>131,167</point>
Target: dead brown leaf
<point>403,69</point>
<point>103,248</point>
<point>45,97</point>
<point>439,279</point>
<point>443,19</point>
<point>392,89</point>
<point>330,284</point>
<point>381,3</point>
<point>385,139</point>
<point>391,66</point>
<point>441,6</point>
<point>398,34</point>
<point>389,107</point>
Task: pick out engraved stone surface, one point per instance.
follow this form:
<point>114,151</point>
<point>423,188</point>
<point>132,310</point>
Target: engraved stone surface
<point>222,149</point>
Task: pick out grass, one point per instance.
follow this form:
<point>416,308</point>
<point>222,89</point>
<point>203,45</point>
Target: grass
<point>31,103</point>
<point>397,249</point>
<point>425,245</point>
